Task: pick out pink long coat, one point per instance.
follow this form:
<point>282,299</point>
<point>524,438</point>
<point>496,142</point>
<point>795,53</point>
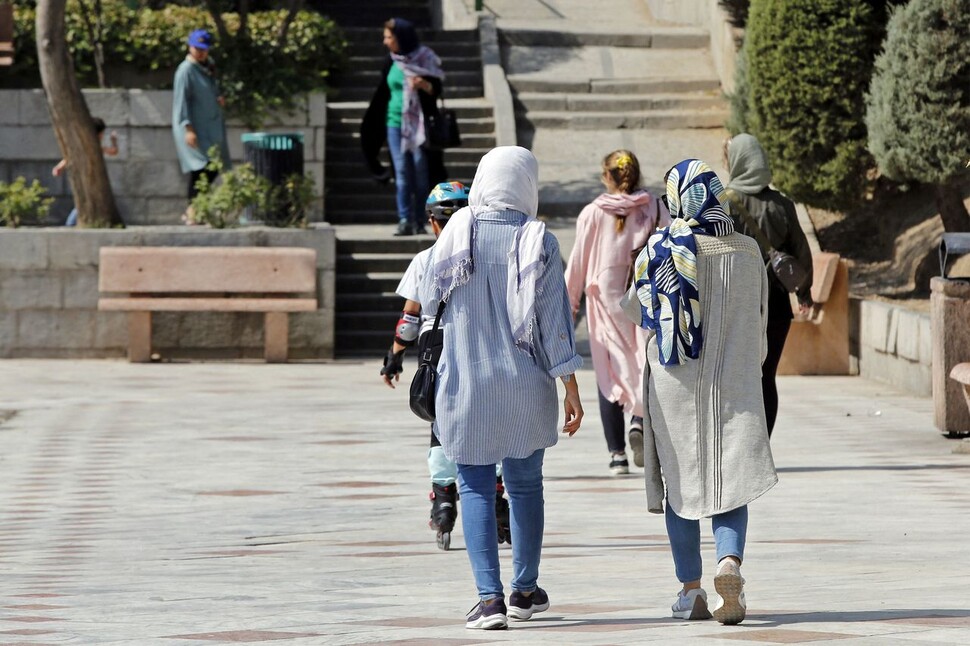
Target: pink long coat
<point>598,266</point>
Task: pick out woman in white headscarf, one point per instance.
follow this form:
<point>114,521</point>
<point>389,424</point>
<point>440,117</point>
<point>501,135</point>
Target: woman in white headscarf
<point>508,335</point>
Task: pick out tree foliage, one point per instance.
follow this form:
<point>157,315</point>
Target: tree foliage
<point>918,107</point>
<point>808,67</point>
<point>259,71</point>
<point>22,203</point>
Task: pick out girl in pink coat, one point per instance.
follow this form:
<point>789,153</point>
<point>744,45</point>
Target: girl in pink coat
<point>608,232</point>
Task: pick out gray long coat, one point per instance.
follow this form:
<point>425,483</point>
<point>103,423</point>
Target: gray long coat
<point>705,434</point>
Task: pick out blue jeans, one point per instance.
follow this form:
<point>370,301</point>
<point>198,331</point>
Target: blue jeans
<point>476,487</point>
<point>71,218</point>
<point>730,529</point>
<point>410,178</point>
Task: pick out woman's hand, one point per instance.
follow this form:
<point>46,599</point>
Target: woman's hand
<point>419,83</point>
<point>572,407</point>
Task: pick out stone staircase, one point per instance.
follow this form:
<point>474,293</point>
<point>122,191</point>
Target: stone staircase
<point>370,261</point>
<point>579,95</point>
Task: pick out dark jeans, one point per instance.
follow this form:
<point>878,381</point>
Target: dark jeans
<point>611,413</point>
<point>194,177</point>
<point>777,333</point>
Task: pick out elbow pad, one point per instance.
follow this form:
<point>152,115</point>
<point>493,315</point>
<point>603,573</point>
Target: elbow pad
<point>408,326</point>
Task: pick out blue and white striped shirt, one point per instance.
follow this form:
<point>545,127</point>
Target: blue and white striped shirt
<point>493,400</point>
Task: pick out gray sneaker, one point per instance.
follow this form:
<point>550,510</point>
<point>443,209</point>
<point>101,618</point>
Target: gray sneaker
<point>691,605</point>
<point>731,607</point>
<point>488,615</point>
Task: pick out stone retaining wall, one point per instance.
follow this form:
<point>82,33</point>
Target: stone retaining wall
<point>145,176</point>
<point>894,346</point>
<point>49,295</point>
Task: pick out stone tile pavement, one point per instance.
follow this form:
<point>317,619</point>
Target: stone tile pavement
<point>225,503</point>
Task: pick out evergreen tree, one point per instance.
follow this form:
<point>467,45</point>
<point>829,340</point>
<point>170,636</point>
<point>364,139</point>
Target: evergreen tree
<point>918,107</point>
<point>808,66</point>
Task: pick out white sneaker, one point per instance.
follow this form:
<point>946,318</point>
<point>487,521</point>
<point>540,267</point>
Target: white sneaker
<point>731,607</point>
<point>691,605</point>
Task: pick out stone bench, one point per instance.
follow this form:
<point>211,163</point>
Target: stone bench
<point>819,344</point>
<point>272,280</point>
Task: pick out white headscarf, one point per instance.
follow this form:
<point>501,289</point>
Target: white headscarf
<point>507,179</point>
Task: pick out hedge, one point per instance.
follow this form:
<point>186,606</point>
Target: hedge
<point>808,67</point>
<point>255,75</point>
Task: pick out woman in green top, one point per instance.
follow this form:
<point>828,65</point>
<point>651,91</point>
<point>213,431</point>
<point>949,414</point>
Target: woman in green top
<point>410,84</point>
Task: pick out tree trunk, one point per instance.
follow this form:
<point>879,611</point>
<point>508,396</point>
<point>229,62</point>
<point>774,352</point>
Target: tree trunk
<point>72,121</point>
<point>949,199</point>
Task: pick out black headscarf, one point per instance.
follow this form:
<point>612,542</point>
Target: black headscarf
<point>407,36</point>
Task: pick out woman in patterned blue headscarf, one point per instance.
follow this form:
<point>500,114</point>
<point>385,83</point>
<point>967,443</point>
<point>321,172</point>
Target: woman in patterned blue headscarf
<point>666,273</point>
<point>701,292</point>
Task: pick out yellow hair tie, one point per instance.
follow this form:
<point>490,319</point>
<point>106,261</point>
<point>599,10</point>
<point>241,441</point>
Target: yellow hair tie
<point>623,161</point>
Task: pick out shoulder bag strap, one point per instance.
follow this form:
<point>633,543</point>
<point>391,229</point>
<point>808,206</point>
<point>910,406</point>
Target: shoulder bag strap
<point>759,234</point>
<point>426,357</point>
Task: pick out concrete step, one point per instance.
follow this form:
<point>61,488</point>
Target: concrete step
<point>456,63</point>
<point>369,78</point>
<point>369,282</point>
<point>484,125</point>
<point>464,108</point>
<point>386,217</point>
<point>370,343</point>
<point>370,262</point>
<point>658,38</point>
<point>377,302</point>
<point>341,144</point>
<point>428,36</point>
<point>365,321</point>
<point>670,85</point>
<point>355,168</point>
<point>539,101</point>
<point>373,46</point>
<point>655,119</point>
<point>364,93</point>
<point>380,240</point>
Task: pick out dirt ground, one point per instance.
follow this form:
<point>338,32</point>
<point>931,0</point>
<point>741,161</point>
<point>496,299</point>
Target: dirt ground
<point>891,242</point>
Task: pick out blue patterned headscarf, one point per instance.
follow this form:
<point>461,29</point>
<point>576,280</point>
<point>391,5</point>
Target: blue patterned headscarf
<point>666,271</point>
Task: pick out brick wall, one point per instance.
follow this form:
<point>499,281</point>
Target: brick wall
<point>49,295</point>
<point>895,346</point>
<point>145,176</point>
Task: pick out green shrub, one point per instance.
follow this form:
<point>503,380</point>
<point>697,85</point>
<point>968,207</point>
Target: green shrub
<point>918,106</point>
<point>808,66</point>
<point>256,76</point>
<point>241,191</point>
<point>22,203</point>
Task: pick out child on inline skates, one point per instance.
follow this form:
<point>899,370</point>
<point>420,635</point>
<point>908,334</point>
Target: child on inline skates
<point>445,199</point>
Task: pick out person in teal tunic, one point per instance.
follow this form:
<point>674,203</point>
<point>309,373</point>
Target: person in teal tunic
<point>197,121</point>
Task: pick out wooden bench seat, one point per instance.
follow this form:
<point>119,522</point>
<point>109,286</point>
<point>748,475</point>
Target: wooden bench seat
<point>272,280</point>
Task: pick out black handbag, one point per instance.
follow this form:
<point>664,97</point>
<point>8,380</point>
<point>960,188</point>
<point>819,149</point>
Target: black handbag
<point>425,380</point>
<point>441,128</point>
<point>784,266</point>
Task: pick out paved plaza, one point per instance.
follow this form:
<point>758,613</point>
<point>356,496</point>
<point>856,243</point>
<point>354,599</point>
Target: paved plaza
<point>220,503</point>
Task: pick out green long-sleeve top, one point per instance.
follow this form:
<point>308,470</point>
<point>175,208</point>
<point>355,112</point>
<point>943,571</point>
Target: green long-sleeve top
<point>196,102</point>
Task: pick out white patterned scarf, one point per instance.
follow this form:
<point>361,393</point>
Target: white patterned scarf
<point>506,180</point>
<point>421,62</point>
